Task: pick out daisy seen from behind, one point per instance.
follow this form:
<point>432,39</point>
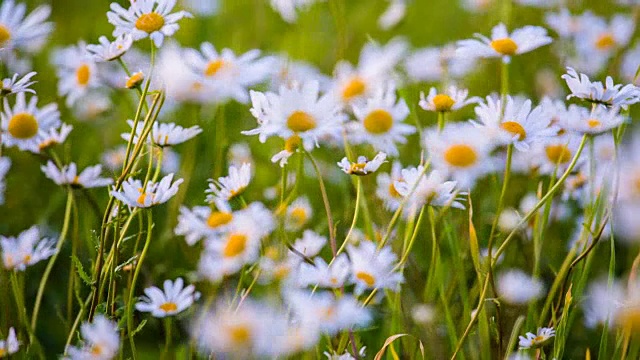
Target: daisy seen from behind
<point>110,50</point>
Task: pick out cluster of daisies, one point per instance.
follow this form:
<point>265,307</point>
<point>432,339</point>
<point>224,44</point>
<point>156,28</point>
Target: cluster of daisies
<point>321,285</point>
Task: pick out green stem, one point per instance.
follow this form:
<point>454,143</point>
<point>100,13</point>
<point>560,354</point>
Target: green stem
<point>167,333</point>
<point>327,206</point>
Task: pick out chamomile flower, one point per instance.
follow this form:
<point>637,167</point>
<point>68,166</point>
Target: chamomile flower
<point>110,50</point>
<point>630,64</point>
<point>518,288</point>
<point>460,152</point>
<point>310,244</point>
<point>556,154</point>
<point>134,194</point>
<point>68,175</point>
<point>230,186</point>
<point>22,124</point>
<point>432,64</point>
<point>173,300</point>
<point>431,189</point>
<point>26,249</point>
<point>53,136</point>
<point>602,302</point>
<point>10,345</point>
<point>373,268</point>
<point>297,111</point>
<point>564,23</point>
<point>146,18</point>
<point>164,134</point>
<point>375,68</point>
<point>77,72</point>
<point>291,145</point>
<point>5,165</point>
<point>362,166</point>
<point>298,214</point>
<point>608,94</point>
<point>325,275</point>
<point>386,190</point>
<point>453,99</point>
<point>239,245</point>
<point>380,121</point>
<point>595,121</point>
<point>536,340</point>
<point>23,33</point>
<point>13,85</point>
<point>504,45</point>
<point>202,222</point>
<point>602,37</point>
<point>226,74</point>
<point>520,125</point>
<point>101,340</point>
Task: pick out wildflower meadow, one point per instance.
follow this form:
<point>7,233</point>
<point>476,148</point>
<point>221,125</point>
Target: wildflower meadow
<point>320,179</point>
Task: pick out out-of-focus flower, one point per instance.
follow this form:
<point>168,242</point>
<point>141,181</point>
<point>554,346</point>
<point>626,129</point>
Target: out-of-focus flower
<point>433,64</point>
<point>228,187</point>
<point>10,345</point>
<point>134,194</point>
<point>608,94</point>
<point>452,99</point>
<point>431,189</point>
<point>504,45</point>
<point>536,340</point>
<point>5,165</point>
<point>173,300</point>
<point>298,214</point>
<point>288,9</point>
<point>26,249</point>
<point>23,33</point>
<point>164,134</point>
<point>518,288</point>
<point>373,268</point>
<point>387,190</point>
<point>110,50</point>
<point>101,340</point>
<point>68,175</point>
<point>362,166</point>
<point>77,72</point>
<point>394,13</point>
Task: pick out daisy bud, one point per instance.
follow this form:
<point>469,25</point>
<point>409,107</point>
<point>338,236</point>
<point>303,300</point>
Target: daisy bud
<point>135,80</point>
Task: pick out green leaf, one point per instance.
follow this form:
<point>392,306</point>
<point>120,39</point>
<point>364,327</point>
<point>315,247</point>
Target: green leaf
<point>83,275</point>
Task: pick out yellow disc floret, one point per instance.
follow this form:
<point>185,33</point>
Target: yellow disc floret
<point>505,46</point>
<point>83,74</point>
<point>236,243</point>
<point>460,155</point>
<point>355,87</point>
<point>368,279</point>
<point>219,218</point>
<point>443,102</point>
<point>300,121</point>
<point>150,22</point>
<point>514,128</point>
<point>5,35</point>
<point>213,67</point>
<point>378,121</point>
<point>23,126</point>
<point>558,154</point>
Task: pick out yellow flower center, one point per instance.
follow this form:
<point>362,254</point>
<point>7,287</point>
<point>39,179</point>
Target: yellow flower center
<point>26,259</point>
<point>299,215</point>
<point>281,272</point>
<point>300,121</point>
<point>355,87</point>
<point>150,22</point>
<point>357,168</point>
<point>240,334</point>
<point>368,279</point>
<point>538,339</point>
<point>558,154</point>
<point>505,46</point>
<point>378,121</point>
<point>594,123</point>
<point>235,245</point>
<point>219,218</point>
<point>460,155</point>
<point>605,41</point>
<point>2,352</point>
<point>213,67</point>
<point>169,307</point>
<point>443,102</point>
<point>96,350</point>
<point>23,126</point>
<point>134,80</point>
<point>515,128</point>
<point>292,143</point>
<point>5,35</point>
<point>393,192</point>
<point>83,74</point>
<point>141,198</point>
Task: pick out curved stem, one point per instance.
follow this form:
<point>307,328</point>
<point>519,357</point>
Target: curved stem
<point>47,271</point>
<point>327,207</point>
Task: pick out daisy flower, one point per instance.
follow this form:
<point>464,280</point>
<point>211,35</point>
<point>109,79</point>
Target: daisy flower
<point>26,249</point>
<point>602,302</point>
<point>605,37</point>
<point>291,145</point>
<point>504,45</point>
<point>54,136</point>
<point>77,72</point>
<point>309,245</point>
<point>518,288</point>
<point>297,111</point>
<point>13,86</point>
<point>68,175</point>
<point>289,72</point>
<point>432,64</point>
<point>430,189</point>
<point>362,166</point>
<point>386,190</point>
<point>520,125</point>
<point>536,340</point>
<point>325,275</point>
<point>22,124</point>
<point>373,268</point>
<point>595,121</point>
<point>630,64</point>
<point>298,214</point>
<point>5,164</point>
<point>453,99</point>
<point>459,151</point>
<point>239,245</point>
<point>134,194</point>
<point>201,222</point>
<point>375,67</point>
<point>23,33</point>
<point>164,134</point>
<point>564,23</point>
<point>10,345</point>
<point>380,121</point>
<point>110,50</point>
<point>227,75</point>
<point>101,340</point>
<point>556,154</point>
<point>608,94</point>
<point>146,18</point>
<point>230,186</point>
<point>173,300</point>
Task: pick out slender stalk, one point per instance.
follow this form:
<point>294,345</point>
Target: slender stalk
<point>167,337</point>
<point>47,271</point>
<point>327,206</point>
